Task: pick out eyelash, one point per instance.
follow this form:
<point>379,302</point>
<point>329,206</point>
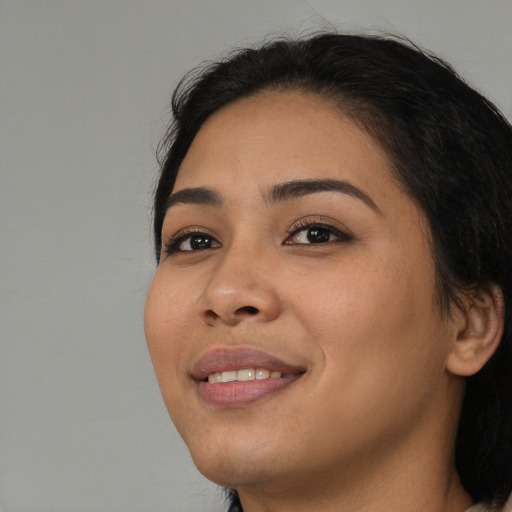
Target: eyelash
<point>173,245</point>
<point>305,224</point>
<point>309,223</point>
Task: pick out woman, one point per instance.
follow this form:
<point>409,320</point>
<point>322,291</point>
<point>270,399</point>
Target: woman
<point>329,321</point>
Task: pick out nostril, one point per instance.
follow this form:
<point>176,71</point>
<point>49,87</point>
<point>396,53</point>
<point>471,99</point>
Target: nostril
<point>211,315</point>
<point>248,310</point>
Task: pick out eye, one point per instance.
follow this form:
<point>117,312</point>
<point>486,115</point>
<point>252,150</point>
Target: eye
<point>316,234</point>
<point>189,242</point>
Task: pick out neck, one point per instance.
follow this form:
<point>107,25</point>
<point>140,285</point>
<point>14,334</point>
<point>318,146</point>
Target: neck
<point>457,500</point>
<point>378,493</point>
<point>415,472</point>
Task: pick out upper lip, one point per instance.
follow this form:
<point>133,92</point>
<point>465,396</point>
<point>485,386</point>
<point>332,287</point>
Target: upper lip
<point>239,358</point>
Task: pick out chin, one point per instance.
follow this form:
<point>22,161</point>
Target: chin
<point>232,469</point>
<point>234,460</point>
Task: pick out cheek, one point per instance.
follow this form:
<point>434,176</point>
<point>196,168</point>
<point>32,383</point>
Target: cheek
<point>165,323</point>
<point>383,348</point>
<point>375,318</point>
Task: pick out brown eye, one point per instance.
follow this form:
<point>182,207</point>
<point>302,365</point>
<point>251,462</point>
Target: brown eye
<point>192,242</point>
<point>197,242</point>
<point>317,234</point>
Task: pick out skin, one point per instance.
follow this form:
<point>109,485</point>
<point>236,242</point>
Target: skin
<point>371,423</point>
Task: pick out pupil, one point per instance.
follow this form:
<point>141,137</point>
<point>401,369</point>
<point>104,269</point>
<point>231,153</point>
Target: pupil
<point>200,242</point>
<point>318,235</point>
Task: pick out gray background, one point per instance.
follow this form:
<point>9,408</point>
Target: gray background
<point>84,88</point>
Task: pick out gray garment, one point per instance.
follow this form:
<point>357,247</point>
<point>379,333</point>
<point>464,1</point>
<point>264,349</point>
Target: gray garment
<point>480,507</point>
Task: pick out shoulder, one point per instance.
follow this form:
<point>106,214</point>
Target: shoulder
<point>480,507</point>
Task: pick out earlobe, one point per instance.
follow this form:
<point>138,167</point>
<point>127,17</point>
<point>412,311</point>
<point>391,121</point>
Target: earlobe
<point>479,331</point>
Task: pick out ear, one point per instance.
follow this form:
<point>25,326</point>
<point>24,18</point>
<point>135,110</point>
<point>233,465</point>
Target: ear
<point>479,330</point>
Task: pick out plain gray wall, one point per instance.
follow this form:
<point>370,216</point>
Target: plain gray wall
<point>84,93</point>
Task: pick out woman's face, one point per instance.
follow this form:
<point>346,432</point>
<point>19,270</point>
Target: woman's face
<point>290,247</point>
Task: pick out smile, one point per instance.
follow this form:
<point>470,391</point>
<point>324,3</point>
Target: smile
<point>240,376</point>
<point>236,393</point>
<point>244,375</point>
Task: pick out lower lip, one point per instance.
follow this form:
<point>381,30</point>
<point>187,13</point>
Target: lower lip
<point>239,394</point>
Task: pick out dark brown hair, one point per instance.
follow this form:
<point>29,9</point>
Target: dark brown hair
<point>451,149</point>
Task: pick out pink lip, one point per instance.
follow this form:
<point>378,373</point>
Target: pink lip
<point>238,394</point>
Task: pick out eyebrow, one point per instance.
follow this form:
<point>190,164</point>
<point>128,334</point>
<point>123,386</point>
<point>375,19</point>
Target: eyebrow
<point>299,188</point>
<point>198,195</point>
<point>277,193</point>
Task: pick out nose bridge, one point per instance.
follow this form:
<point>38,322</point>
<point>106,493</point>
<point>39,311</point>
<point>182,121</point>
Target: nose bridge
<point>240,288</point>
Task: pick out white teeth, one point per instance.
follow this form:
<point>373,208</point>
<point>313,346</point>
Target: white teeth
<point>215,377</point>
<point>228,376</point>
<point>243,375</point>
<point>262,374</point>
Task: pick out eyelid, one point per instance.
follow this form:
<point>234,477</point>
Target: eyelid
<point>318,221</point>
<point>171,243</point>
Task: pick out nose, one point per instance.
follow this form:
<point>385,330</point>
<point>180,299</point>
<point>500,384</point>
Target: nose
<point>241,288</point>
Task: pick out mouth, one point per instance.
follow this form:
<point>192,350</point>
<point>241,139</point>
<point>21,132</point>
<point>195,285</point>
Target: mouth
<point>237,377</point>
<point>244,375</point>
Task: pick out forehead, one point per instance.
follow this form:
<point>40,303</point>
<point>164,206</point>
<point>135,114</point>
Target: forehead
<point>274,137</point>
